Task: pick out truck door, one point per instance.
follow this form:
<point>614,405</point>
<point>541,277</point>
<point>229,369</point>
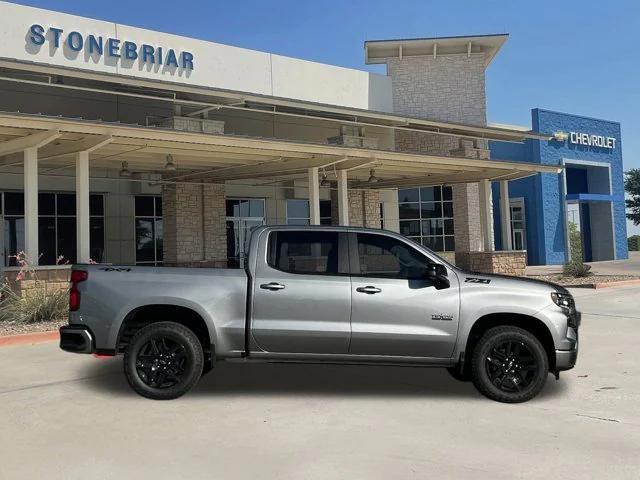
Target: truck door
<point>396,309</point>
<point>302,293</point>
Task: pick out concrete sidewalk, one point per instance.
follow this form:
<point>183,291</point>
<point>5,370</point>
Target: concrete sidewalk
<point>614,267</point>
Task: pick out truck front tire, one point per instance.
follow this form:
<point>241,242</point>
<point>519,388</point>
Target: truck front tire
<point>163,361</point>
<point>509,364</point>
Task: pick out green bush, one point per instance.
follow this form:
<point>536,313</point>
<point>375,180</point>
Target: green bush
<point>35,305</point>
<point>576,269</point>
<point>575,243</point>
<point>634,243</point>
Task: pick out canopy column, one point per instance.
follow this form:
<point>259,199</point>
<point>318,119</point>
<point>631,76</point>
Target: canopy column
<point>486,214</point>
<point>82,207</point>
<point>505,216</point>
<point>343,199</point>
<point>31,248</point>
<point>314,196</point>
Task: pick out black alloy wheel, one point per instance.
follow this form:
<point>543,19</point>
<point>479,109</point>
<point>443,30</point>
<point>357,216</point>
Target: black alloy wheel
<point>509,364</point>
<point>161,362</point>
<point>164,360</point>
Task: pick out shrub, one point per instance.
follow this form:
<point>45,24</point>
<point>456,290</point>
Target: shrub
<point>575,243</point>
<point>576,269</point>
<point>35,305</point>
<point>634,243</point>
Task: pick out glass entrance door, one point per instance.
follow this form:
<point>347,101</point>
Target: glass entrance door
<point>242,215</point>
<point>518,230</point>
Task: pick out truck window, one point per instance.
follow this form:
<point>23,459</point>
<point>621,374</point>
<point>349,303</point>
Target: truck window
<point>386,257</point>
<point>304,252</point>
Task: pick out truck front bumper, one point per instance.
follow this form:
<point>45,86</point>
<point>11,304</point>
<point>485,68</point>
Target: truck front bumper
<point>76,339</point>
<point>566,359</point>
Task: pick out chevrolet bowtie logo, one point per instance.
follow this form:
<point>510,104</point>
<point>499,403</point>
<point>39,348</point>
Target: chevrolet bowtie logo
<point>560,136</point>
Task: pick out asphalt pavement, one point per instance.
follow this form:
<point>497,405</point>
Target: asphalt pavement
<point>68,416</point>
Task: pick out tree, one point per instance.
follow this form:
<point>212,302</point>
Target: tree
<point>632,187</point>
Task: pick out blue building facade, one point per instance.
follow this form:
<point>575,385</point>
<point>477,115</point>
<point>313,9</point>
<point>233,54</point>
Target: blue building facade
<point>588,194</point>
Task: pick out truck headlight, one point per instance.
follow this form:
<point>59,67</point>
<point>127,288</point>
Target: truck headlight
<point>563,300</point>
<point>568,304</point>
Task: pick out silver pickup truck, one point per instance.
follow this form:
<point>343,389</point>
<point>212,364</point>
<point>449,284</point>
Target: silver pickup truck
<point>324,294</point>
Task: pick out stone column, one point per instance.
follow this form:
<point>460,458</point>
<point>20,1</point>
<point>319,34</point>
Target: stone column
<point>466,222</point>
<point>371,208</point>
<point>356,214</point>
<point>194,225</point>
<point>215,228</point>
<point>183,242</point>
<point>364,208</point>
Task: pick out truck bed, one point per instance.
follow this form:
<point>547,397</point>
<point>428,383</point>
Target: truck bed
<point>113,292</point>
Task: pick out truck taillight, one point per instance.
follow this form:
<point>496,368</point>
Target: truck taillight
<point>77,276</point>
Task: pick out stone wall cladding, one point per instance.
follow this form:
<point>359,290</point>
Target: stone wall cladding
<point>447,88</point>
<point>364,208</point>
<point>215,233</point>
<point>49,279</point>
<point>356,214</point>
<point>371,208</point>
<point>194,224</point>
<point>502,262</point>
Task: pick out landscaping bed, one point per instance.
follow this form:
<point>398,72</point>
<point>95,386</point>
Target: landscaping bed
<point>17,328</point>
<point>588,281</point>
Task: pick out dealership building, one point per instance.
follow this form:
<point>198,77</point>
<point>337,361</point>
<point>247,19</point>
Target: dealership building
<point>129,146</point>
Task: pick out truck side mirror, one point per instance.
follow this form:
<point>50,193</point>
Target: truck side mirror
<point>437,273</point>
<point>435,270</point>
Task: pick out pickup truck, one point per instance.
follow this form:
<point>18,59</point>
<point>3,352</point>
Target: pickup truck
<point>324,294</point>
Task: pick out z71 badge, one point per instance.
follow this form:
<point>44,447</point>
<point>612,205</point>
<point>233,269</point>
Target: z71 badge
<point>441,317</point>
<point>476,280</point>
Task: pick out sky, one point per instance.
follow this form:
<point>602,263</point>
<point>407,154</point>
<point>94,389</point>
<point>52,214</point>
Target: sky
<point>572,56</point>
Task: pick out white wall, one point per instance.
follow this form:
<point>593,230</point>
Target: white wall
<point>215,65</point>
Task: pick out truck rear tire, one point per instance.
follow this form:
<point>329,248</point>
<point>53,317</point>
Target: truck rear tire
<point>509,365</point>
<point>163,361</point>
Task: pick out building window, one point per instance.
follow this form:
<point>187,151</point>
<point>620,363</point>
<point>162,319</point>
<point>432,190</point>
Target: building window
<point>243,214</point>
<point>426,216</point>
<point>298,212</point>
<point>56,227</point>
<point>518,228</point>
<point>148,220</point>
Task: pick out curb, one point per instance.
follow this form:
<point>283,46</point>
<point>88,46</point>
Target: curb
<point>29,338</point>
<point>621,283</point>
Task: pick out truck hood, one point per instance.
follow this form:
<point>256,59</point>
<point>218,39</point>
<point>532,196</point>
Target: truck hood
<point>507,281</point>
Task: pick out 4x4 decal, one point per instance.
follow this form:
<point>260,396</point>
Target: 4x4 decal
<point>115,269</point>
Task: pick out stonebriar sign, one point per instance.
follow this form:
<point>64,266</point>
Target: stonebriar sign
<point>114,48</point>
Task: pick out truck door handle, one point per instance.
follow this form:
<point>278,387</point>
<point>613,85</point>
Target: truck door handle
<point>272,286</point>
<point>368,289</point>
